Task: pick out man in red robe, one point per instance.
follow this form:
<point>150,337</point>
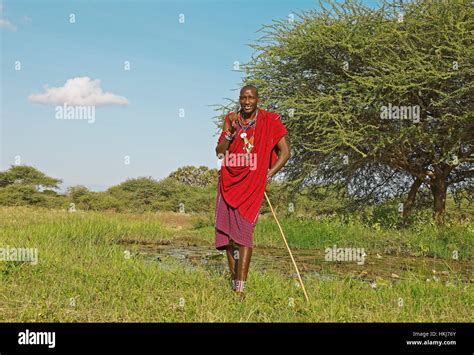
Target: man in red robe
<point>253,148</point>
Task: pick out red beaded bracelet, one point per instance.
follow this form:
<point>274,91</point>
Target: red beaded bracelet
<point>229,136</point>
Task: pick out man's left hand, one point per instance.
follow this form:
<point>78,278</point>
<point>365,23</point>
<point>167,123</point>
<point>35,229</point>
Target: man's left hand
<point>269,176</point>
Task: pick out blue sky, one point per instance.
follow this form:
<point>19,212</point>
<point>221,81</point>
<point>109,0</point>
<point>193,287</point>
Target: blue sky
<point>173,66</point>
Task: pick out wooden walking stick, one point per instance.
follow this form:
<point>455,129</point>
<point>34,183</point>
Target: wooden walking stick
<point>288,247</point>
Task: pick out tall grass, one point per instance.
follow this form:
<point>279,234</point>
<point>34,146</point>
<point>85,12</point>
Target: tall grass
<point>84,276</point>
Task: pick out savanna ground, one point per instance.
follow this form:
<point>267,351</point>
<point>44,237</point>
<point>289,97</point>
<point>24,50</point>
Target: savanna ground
<point>162,267</point>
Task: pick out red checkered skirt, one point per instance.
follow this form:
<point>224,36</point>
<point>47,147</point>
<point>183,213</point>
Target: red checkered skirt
<point>230,225</point>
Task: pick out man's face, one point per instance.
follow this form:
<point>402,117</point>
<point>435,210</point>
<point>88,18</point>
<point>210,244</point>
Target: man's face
<point>248,100</point>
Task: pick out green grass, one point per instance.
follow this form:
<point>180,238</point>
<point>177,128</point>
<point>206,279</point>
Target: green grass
<point>80,258</point>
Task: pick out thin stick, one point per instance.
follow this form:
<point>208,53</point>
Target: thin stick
<point>288,247</point>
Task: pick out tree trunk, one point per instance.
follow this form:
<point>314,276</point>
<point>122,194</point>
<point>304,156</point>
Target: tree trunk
<point>439,189</point>
<point>410,201</point>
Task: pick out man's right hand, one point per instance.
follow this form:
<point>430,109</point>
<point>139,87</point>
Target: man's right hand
<point>233,117</point>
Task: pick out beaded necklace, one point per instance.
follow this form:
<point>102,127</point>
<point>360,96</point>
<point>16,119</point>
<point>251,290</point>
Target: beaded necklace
<point>248,143</point>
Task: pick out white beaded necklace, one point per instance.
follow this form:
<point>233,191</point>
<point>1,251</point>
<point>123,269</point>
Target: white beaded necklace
<point>247,144</point>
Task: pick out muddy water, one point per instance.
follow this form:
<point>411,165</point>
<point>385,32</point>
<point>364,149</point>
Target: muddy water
<point>376,269</point>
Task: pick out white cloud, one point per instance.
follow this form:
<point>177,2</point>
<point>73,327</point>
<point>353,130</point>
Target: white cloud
<point>7,25</point>
<point>81,91</point>
<point>4,23</point>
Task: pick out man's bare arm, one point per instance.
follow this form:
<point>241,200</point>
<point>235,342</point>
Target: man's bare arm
<point>283,156</point>
<point>224,144</point>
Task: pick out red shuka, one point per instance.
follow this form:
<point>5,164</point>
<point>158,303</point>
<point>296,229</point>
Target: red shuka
<point>241,187</point>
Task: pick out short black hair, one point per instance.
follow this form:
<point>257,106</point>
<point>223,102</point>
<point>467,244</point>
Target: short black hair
<point>251,87</point>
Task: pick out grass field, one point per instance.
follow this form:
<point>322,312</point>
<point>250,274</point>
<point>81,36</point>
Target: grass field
<point>162,267</point>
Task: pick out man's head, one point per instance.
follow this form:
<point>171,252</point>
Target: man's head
<point>248,99</point>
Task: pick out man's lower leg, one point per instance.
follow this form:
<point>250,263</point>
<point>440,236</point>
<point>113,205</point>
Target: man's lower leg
<point>245,254</point>
<point>232,263</point>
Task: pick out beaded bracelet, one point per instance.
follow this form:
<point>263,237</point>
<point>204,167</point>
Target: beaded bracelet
<point>229,136</point>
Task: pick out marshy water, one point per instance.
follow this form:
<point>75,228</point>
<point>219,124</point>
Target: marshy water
<point>376,269</point>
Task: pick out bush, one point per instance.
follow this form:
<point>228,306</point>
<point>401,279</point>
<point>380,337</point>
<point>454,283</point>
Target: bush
<point>197,177</point>
<point>20,195</point>
<point>98,201</point>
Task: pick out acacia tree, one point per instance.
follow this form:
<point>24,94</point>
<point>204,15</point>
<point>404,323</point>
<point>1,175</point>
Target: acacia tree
<point>27,175</point>
<point>195,176</point>
<point>360,88</point>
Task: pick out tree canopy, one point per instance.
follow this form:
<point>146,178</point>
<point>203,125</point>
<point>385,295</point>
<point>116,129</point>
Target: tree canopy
<point>27,175</point>
<point>381,95</point>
